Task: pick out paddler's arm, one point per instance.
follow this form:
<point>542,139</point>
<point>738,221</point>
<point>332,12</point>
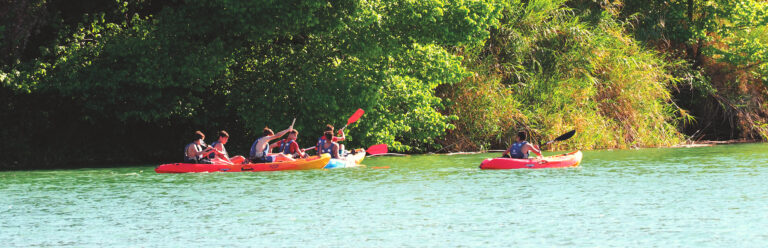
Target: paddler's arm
<point>273,145</point>
<point>341,132</point>
<point>335,150</point>
<point>204,152</point>
<point>280,134</point>
<point>217,152</point>
<point>297,149</point>
<point>534,150</point>
<point>191,152</point>
<point>506,153</point>
<point>208,151</point>
<point>218,149</point>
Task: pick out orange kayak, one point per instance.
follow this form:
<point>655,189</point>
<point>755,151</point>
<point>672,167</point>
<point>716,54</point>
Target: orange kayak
<point>314,162</point>
<point>558,161</point>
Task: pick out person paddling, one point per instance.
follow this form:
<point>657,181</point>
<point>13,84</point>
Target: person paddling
<point>322,140</point>
<point>260,148</point>
<point>289,146</point>
<point>194,152</point>
<point>220,155</point>
<point>521,148</point>
<point>329,146</point>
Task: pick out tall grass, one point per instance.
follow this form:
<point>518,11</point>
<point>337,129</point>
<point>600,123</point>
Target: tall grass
<point>546,72</point>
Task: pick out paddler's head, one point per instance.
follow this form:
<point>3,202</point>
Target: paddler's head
<point>223,137</point>
<point>293,134</point>
<point>198,137</point>
<point>328,135</point>
<point>328,128</point>
<point>267,132</point>
<point>521,136</point>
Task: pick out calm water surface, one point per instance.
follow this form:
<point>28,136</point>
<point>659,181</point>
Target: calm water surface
<point>690,197</point>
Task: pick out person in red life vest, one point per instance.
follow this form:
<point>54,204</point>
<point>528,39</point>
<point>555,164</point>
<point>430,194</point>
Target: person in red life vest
<point>289,146</point>
<point>220,155</point>
<point>329,147</point>
<point>322,140</point>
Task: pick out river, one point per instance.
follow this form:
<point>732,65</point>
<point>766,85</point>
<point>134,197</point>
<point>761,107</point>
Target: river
<point>682,197</point>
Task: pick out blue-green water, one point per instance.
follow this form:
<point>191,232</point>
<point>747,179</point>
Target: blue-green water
<point>691,197</point>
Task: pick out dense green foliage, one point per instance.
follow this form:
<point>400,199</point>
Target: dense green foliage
<point>92,82</point>
<point>243,65</point>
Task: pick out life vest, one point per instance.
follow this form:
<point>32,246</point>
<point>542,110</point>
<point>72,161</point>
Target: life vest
<point>328,150</point>
<point>321,143</point>
<point>285,146</point>
<point>254,153</point>
<point>516,150</point>
<point>223,150</point>
<point>198,148</point>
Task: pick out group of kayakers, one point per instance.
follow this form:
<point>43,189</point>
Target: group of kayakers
<point>261,151</point>
<point>289,150</point>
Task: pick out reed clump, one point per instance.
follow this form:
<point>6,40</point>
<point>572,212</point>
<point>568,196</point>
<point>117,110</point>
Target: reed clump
<point>545,71</point>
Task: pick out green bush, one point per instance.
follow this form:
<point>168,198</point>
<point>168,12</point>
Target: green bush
<point>546,72</point>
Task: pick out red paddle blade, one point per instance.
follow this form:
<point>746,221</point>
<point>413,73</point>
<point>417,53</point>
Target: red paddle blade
<point>377,149</point>
<point>356,116</point>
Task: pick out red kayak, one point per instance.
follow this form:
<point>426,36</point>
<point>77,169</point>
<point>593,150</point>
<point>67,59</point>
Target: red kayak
<point>314,162</point>
<point>558,161</point>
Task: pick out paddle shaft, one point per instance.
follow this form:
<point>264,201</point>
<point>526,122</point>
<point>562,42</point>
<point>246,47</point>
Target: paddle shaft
<point>562,137</point>
<point>352,119</point>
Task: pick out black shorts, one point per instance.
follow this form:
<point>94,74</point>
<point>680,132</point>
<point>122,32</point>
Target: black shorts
<point>267,159</point>
<point>198,161</point>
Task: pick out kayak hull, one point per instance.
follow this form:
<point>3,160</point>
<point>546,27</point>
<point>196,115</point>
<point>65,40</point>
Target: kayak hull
<point>351,160</point>
<point>572,159</point>
<point>314,162</point>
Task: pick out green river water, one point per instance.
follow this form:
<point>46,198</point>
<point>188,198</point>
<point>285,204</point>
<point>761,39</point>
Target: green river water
<point>683,197</point>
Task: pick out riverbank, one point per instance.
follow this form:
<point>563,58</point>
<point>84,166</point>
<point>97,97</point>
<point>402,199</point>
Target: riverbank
<point>702,143</point>
<point>705,143</point>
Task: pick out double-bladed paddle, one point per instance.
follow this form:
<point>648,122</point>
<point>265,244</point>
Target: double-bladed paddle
<point>309,148</point>
<point>372,150</point>
<point>562,137</point>
<point>377,149</point>
<point>565,136</point>
<point>352,119</point>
